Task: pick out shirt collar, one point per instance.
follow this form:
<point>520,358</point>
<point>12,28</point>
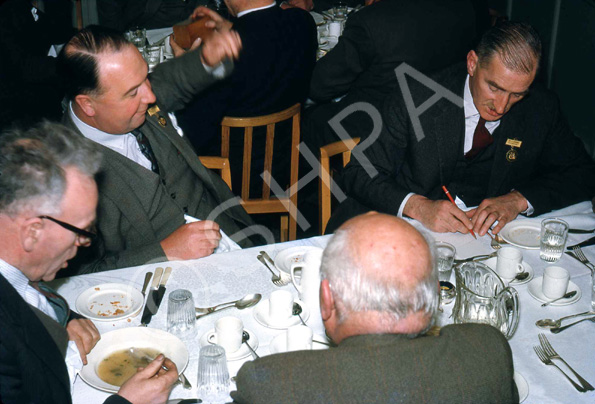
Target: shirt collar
<point>470,109</point>
<point>243,13</point>
<point>16,278</point>
<point>113,142</point>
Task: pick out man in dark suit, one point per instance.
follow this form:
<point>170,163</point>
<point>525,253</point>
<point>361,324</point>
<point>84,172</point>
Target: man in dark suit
<point>378,295</point>
<point>272,73</point>
<point>47,207</point>
<point>428,35</point>
<point>490,136</point>
<point>151,177</point>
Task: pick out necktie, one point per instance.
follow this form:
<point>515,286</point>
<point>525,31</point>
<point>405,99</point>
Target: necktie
<point>145,149</point>
<point>481,139</point>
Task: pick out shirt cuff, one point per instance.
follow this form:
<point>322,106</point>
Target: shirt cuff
<point>402,207</point>
<point>529,211</point>
<point>217,71</point>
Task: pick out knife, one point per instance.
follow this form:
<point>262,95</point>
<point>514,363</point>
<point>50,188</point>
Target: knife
<point>580,231</point>
<point>151,307</point>
<point>161,290</point>
<point>586,243</point>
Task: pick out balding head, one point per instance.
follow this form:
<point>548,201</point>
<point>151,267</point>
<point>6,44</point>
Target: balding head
<point>381,273</point>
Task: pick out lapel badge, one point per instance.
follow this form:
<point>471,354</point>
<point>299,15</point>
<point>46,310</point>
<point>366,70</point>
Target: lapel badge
<point>162,121</point>
<point>512,154</point>
<point>153,110</point>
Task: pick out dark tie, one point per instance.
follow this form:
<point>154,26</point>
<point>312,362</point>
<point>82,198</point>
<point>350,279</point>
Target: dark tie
<point>145,149</point>
<point>481,139</point>
<point>58,302</point>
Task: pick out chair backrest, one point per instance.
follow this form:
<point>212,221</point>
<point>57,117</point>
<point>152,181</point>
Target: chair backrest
<point>266,204</point>
<point>218,163</point>
<point>324,189</point>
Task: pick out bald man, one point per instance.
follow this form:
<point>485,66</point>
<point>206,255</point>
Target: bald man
<point>378,296</point>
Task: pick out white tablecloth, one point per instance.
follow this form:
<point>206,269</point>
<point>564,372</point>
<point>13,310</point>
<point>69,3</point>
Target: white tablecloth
<point>224,277</point>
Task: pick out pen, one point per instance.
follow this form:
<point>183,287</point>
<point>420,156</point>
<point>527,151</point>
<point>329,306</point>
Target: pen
<point>453,202</point>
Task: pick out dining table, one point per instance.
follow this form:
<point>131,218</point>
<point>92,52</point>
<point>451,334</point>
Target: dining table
<point>229,276</point>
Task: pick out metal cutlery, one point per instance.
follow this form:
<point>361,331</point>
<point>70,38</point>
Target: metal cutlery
<point>481,257</point>
<point>240,304</point>
<point>552,354</point>
<point>155,294</point>
<point>549,323</point>
<point>557,330</point>
<point>276,279</point>
<point>547,361</point>
<point>245,338</point>
<point>567,295</point>
<point>297,311</point>
<point>284,276</point>
<point>580,231</point>
<point>148,276</point>
<point>144,357</point>
<point>578,252</point>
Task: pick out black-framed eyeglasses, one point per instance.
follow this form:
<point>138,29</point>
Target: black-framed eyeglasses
<point>84,237</point>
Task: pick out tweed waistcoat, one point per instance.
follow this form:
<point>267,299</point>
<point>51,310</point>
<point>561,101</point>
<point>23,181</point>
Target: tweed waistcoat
<point>471,177</point>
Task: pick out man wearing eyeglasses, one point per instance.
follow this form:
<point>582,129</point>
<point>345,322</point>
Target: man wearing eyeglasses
<point>48,198</point>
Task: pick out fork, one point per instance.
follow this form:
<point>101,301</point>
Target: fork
<point>578,252</point>
<point>552,354</point>
<point>547,361</point>
<point>276,279</point>
<point>284,276</point>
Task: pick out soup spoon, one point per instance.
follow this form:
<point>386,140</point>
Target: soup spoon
<point>241,304</point>
<point>549,323</point>
<point>140,355</point>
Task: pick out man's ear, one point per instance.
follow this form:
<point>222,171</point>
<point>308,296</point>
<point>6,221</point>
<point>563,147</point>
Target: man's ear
<point>472,62</point>
<point>86,104</point>
<point>30,232</point>
<point>327,302</point>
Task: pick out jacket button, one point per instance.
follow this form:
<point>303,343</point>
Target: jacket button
<point>173,195</point>
<point>185,209</point>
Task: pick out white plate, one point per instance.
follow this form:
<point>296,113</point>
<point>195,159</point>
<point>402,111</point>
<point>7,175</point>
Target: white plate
<point>284,259</point>
<point>133,337</point>
<point>522,386</point>
<point>279,343</point>
<point>109,302</point>
<point>241,353</point>
<point>261,314</point>
<point>526,267</point>
<point>523,233</point>
<point>537,294</point>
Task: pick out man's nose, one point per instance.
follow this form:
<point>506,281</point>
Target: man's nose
<point>148,95</point>
<point>501,102</point>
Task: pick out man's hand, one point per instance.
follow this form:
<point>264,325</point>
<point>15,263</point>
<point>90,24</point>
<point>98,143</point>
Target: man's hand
<point>84,334</point>
<point>303,4</point>
<point>178,50</point>
<point>503,208</point>
<point>217,22</point>
<point>438,216</point>
<point>219,46</point>
<point>152,384</point>
<point>192,240</point>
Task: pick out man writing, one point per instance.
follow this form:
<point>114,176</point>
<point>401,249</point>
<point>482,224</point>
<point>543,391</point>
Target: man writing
<point>492,138</point>
<point>150,177</point>
<point>47,207</point>
<point>378,294</point>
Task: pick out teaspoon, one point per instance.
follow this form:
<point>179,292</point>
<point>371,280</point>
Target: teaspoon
<point>245,338</point>
<point>566,296</point>
<point>241,304</point>
<point>549,323</point>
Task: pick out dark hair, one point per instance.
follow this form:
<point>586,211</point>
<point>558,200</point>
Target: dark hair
<point>77,62</point>
<point>516,43</point>
<point>32,166</point>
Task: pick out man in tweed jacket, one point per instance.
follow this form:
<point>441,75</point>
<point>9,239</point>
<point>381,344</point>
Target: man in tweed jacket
<point>378,294</point>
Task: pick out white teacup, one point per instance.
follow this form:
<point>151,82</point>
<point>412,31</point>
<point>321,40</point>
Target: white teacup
<point>509,262</point>
<point>309,285</point>
<point>228,334</point>
<point>334,29</point>
<point>555,282</point>
<point>299,337</point>
<point>280,306</point>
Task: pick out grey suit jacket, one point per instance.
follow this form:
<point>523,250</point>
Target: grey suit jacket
<point>468,363</point>
<point>552,168</point>
<point>127,235</point>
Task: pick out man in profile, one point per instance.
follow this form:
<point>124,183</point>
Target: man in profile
<point>151,179</point>
<point>378,296</point>
<point>492,136</point>
<point>48,198</point>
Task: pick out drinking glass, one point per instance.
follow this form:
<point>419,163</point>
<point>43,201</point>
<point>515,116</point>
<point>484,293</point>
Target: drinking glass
<point>213,376</point>
<point>340,11</point>
<point>152,55</point>
<point>445,256</point>
<point>137,36</point>
<point>181,317</point>
<point>554,233</point>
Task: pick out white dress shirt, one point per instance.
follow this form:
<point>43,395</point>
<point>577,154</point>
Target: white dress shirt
<point>242,13</point>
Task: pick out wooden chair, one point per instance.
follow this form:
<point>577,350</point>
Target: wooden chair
<point>267,204</point>
<point>324,190</point>
<point>218,163</point>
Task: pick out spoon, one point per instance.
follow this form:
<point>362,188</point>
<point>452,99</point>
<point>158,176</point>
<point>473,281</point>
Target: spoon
<point>245,338</point>
<point>141,355</point>
<point>566,296</point>
<point>297,309</point>
<point>549,323</point>
<point>241,304</point>
<point>521,276</point>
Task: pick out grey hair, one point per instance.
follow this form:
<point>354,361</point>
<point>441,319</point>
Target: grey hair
<point>517,44</point>
<point>353,291</point>
<point>32,163</point>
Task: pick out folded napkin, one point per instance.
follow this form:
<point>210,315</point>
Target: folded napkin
<point>73,360</point>
<point>579,216</point>
<point>226,244</point>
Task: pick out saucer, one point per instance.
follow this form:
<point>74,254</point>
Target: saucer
<point>522,386</point>
<point>492,262</point>
<point>261,314</point>
<point>279,343</point>
<point>293,255</point>
<point>241,353</point>
<point>535,292</point>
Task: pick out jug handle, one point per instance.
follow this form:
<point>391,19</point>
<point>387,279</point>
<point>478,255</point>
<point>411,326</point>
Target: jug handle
<point>513,321</point>
<point>292,271</point>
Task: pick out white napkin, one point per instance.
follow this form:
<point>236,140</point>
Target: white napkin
<point>74,363</point>
<point>579,216</point>
<point>225,244</point>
